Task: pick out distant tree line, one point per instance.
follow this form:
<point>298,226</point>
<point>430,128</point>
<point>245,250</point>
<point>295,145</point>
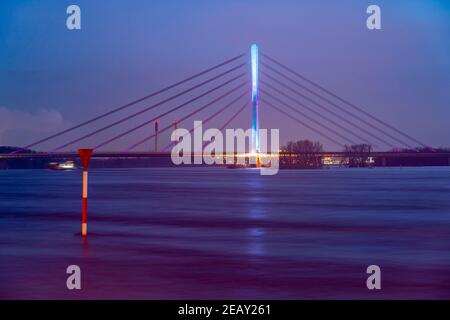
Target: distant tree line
<point>358,155</point>
<point>423,149</point>
<point>306,148</point>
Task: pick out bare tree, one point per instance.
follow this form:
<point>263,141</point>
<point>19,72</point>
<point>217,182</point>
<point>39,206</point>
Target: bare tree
<point>358,154</point>
<point>301,153</point>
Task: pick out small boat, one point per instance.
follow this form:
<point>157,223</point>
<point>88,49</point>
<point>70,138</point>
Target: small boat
<point>66,165</point>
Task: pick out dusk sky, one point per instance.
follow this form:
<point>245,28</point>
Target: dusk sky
<point>51,78</point>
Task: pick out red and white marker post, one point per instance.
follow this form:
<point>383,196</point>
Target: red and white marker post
<point>85,155</point>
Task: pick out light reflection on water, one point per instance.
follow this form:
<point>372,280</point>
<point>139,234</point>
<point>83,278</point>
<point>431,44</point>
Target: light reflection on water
<point>219,233</point>
<point>258,212</point>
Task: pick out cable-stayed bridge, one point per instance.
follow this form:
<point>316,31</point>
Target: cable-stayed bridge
<point>222,93</point>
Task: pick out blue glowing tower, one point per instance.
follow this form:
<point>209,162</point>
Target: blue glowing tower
<point>255,94</point>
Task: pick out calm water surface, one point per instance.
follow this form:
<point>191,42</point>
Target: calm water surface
<point>215,233</point>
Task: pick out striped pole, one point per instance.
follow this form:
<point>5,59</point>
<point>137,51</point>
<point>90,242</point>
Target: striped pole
<point>85,155</point>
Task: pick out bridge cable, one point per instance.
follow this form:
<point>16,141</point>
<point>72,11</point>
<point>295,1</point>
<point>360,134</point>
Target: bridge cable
<point>308,117</point>
<point>168,112</point>
<point>203,122</point>
<point>191,114</point>
<point>234,116</point>
<point>302,123</point>
<point>155,105</point>
<point>135,101</point>
<point>334,113</point>
<point>311,109</point>
<point>343,101</point>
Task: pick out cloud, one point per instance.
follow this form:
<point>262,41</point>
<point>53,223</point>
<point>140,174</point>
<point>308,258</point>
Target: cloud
<point>16,127</point>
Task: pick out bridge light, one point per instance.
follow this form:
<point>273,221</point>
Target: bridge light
<point>254,52</point>
<point>255,91</point>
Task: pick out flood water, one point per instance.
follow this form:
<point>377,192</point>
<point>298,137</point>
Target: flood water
<point>216,233</point>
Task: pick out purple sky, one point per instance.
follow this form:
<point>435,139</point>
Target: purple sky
<point>51,78</point>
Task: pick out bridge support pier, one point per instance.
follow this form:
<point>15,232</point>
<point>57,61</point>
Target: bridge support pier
<point>175,127</point>
<point>156,135</point>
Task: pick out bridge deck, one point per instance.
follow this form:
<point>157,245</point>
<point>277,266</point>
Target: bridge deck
<point>74,155</point>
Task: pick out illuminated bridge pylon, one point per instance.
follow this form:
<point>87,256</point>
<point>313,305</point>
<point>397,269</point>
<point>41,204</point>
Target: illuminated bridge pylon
<point>223,89</point>
<point>255,96</point>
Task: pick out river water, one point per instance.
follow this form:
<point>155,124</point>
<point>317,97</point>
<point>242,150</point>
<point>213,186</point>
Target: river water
<point>216,233</point>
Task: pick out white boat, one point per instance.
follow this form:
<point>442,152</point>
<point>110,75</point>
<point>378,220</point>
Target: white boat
<point>66,165</point>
